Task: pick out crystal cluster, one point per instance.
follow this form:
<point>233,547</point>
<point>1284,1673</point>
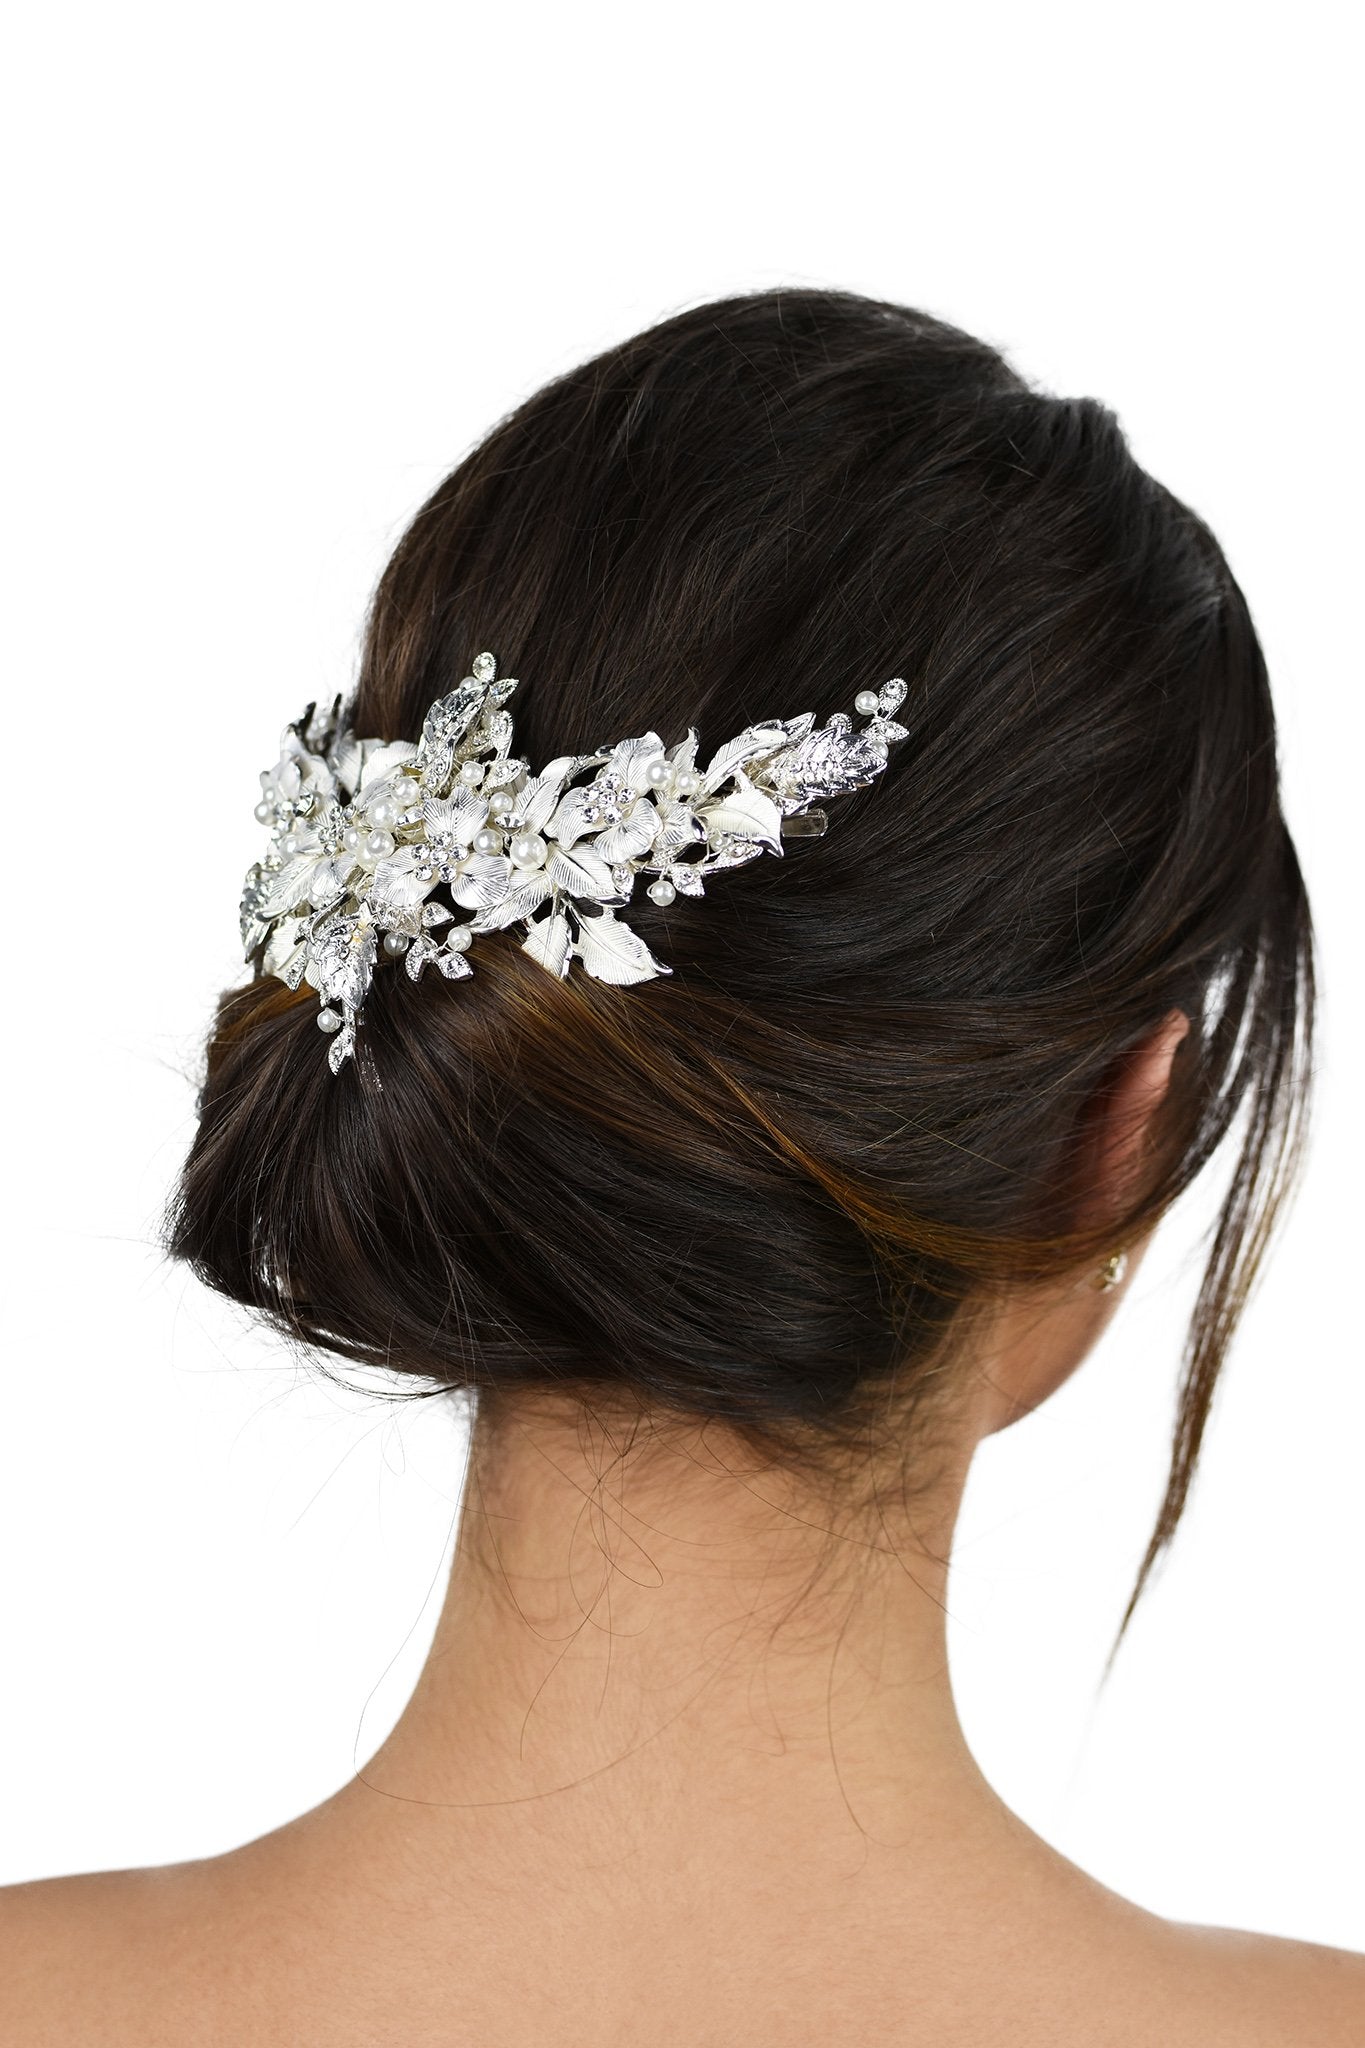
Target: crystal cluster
<point>376,846</point>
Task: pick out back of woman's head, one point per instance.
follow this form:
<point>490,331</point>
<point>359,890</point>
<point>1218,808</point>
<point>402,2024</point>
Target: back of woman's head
<point>769,1187</point>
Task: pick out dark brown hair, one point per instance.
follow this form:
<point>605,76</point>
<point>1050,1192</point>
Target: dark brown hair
<point>767,1187</point>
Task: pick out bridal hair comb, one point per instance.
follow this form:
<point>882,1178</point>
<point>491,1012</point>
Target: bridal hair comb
<point>376,844</point>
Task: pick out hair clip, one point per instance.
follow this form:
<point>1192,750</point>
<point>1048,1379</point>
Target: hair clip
<point>376,845</point>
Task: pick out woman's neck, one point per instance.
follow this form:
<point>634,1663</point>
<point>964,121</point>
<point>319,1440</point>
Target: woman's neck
<point>669,1645</point>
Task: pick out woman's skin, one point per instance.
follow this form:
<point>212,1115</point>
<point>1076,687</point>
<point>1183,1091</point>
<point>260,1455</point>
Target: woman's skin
<point>683,1768</point>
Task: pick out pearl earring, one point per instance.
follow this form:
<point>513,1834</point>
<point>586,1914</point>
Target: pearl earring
<point>1113,1269</point>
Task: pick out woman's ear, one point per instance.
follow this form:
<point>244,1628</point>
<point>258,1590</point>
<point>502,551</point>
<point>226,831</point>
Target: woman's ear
<point>1121,1120</point>
<point>1041,1335</point>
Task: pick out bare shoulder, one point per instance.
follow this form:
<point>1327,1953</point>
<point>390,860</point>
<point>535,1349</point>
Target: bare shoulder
<point>1266,1991</point>
<point>184,1957</point>
<point>103,1959</point>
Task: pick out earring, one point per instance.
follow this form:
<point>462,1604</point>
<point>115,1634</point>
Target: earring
<point>1113,1269</point>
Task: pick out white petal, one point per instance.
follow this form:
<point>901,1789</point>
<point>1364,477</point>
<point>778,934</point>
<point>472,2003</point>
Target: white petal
<point>456,817</point>
<point>633,836</point>
<point>397,885</point>
<point>482,881</point>
<point>571,819</point>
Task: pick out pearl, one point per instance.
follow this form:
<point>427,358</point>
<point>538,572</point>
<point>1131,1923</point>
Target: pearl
<point>267,779</point>
<point>264,812</point>
<point>688,782</point>
<point>329,1020</point>
<point>499,803</point>
<point>659,774</point>
<point>379,845</point>
<point>529,850</point>
<point>661,892</point>
<point>384,814</point>
<point>458,939</point>
<point>395,944</point>
<point>866,702</point>
<point>350,838</point>
<point>471,773</point>
<point>487,840</point>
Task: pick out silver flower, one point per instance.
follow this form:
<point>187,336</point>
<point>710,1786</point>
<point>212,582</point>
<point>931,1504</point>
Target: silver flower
<point>364,831</point>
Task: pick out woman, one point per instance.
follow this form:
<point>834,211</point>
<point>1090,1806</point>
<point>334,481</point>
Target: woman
<point>746,1195</point>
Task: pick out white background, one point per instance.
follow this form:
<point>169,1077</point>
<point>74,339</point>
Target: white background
<point>274,269</point>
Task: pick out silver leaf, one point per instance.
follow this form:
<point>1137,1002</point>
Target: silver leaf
<point>548,942</point>
<point>484,667</point>
<point>494,729</point>
<point>732,853</point>
<point>254,926</point>
<point>286,938</point>
<point>453,966</point>
<point>499,773</point>
<point>435,914</point>
<point>686,878</point>
<point>344,962</point>
<point>522,899</point>
<point>446,724</point>
<point>584,873</point>
<point>891,696</point>
<point>537,799</point>
<point>345,761</point>
<point>611,951</point>
<point>319,726</point>
<point>286,888</point>
<point>753,744</point>
<point>418,954</point>
<point>684,755</point>
<point>291,973</point>
<point>827,763</point>
<point>678,826</point>
<point>747,812</point>
<point>383,761</point>
<point>330,878</point>
<point>342,1046</point>
<point>631,759</point>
